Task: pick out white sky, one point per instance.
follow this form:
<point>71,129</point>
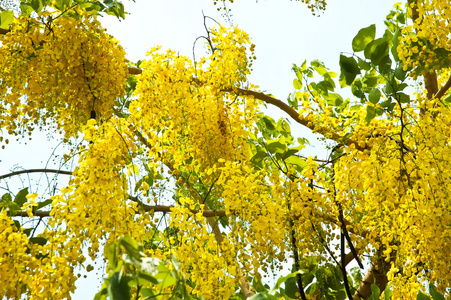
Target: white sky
<point>283,31</point>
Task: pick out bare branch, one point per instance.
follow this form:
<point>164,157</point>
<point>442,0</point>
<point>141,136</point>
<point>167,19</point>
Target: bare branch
<point>443,89</point>
<point>147,208</point>
<point>35,171</point>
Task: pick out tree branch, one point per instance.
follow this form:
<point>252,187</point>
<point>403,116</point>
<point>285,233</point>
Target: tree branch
<point>377,273</point>
<point>35,171</point>
<point>278,103</point>
<point>430,83</point>
<point>443,89</point>
<point>147,208</point>
<point>295,115</point>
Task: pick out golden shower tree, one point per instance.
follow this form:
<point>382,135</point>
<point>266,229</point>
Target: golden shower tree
<point>190,191</point>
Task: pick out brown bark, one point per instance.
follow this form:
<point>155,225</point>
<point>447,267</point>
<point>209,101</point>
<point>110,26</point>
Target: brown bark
<point>377,273</point>
<point>146,208</point>
<point>443,89</point>
<point>430,83</point>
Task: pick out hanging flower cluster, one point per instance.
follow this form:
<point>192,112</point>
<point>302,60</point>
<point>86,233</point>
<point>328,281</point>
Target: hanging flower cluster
<point>189,110</point>
<point>424,44</point>
<point>57,70</point>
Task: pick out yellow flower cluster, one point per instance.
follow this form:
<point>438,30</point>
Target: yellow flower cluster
<point>210,265</point>
<point>31,268</point>
<point>255,205</point>
<point>396,196</point>
<point>425,44</point>
<point>95,204</point>
<point>56,70</point>
<point>188,110</point>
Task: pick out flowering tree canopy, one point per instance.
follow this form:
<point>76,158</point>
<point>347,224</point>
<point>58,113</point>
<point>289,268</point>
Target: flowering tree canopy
<point>189,191</point>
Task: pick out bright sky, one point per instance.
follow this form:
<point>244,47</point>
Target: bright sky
<point>283,31</point>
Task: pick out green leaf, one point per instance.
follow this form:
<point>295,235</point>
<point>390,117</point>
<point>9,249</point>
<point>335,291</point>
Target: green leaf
<point>297,161</point>
<point>311,289</point>
<point>21,197</point>
<point>374,51</point>
<point>26,8</point>
<point>133,248</point>
<point>147,293</point>
<point>349,68</point>
<point>363,38</point>
<point>292,100</point>
<point>395,43</point>
<point>403,98</point>
<point>116,10</point>
<point>282,279</point>
<point>297,84</point>
<point>275,146</point>
<point>6,198</point>
<point>374,96</point>
<point>269,123</point>
<point>6,18</point>
<point>363,64</point>
<point>390,87</point>
<point>447,99</point>
<point>341,295</point>
<point>118,288</point>
<point>375,292</point>
<point>38,240</point>
<point>434,294</point>
<point>108,3</point>
<point>400,74</point>
<point>334,99</point>
<point>289,153</point>
<point>102,294</point>
<point>385,65</point>
<point>63,4</point>
<point>370,81</point>
<point>37,5</point>
<point>387,293</point>
<point>319,67</point>
<point>421,296</point>
<point>283,126</point>
<point>44,203</point>
<point>262,296</point>
<point>356,89</point>
<point>165,276</point>
<point>379,52</point>
<point>388,104</point>
<point>370,113</point>
<point>388,35</point>
<point>291,288</point>
<point>145,278</point>
<point>112,255</point>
